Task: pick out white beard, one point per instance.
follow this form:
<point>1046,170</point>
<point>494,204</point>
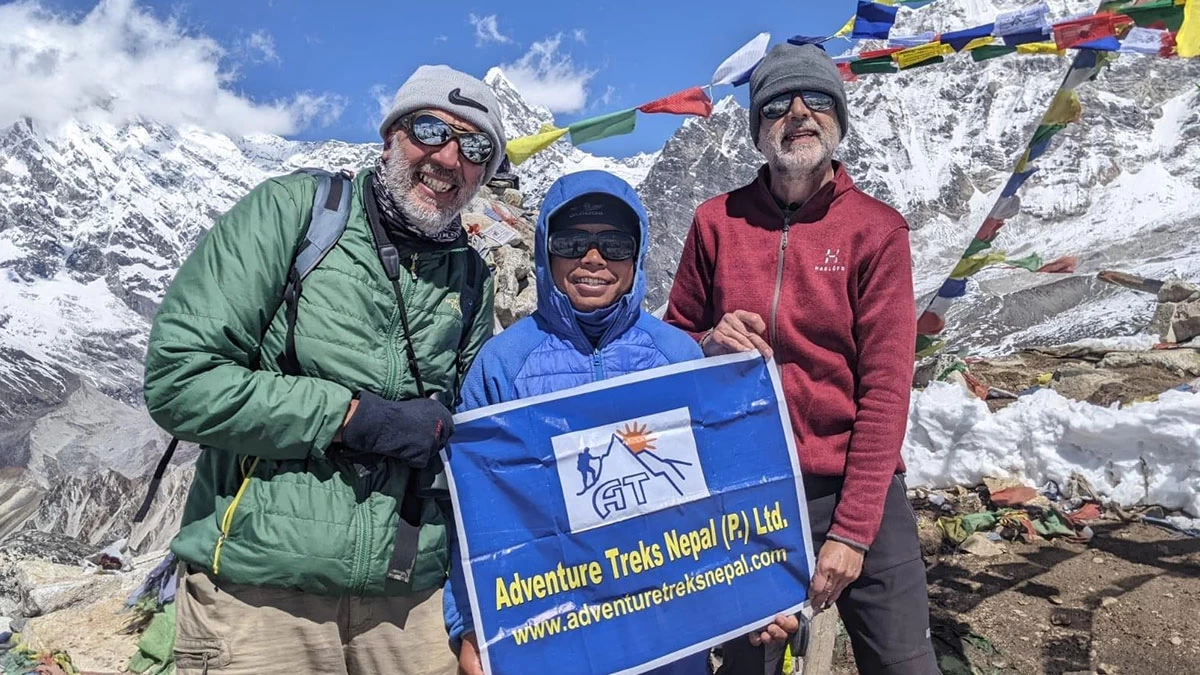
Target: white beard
<point>796,161</point>
<point>398,175</point>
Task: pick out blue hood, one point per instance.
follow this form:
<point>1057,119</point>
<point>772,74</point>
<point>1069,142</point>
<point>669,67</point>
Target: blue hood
<point>553,306</point>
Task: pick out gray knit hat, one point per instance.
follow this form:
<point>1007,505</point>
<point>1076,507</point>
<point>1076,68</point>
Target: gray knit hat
<point>788,67</point>
<point>443,88</point>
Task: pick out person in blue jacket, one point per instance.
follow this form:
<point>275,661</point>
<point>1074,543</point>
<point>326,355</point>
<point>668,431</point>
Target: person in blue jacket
<point>589,248</point>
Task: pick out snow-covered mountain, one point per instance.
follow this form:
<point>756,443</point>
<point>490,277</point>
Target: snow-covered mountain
<point>1118,189</point>
<point>94,220</point>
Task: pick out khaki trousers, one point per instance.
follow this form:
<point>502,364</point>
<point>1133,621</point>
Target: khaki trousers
<point>232,629</point>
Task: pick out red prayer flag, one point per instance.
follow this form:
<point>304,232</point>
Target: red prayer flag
<point>1069,34</point>
<point>847,74</point>
<point>879,52</point>
<point>1064,265</point>
<point>687,102</point>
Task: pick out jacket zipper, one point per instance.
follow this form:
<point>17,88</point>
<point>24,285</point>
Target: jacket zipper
<point>597,366</point>
<point>778,287</point>
<point>412,268</point>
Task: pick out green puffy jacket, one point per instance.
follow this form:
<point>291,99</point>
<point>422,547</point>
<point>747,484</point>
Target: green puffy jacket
<point>268,506</point>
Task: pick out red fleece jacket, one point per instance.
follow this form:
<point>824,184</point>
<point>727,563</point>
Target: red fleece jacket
<point>843,331</point>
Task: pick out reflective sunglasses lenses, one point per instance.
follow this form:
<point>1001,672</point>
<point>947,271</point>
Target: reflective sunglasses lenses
<point>813,100</point>
<point>431,130</point>
<point>613,245</point>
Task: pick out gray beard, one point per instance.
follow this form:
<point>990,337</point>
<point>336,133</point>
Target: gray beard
<point>794,164</point>
<point>397,201</point>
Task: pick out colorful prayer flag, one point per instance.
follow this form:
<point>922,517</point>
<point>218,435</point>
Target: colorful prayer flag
<point>1015,182</point>
<point>1066,109</point>
<point>1024,20</point>
<point>873,20</point>
<point>1018,39</point>
<point>989,52</point>
<point>846,73</point>
<point>923,54</point>
<point>1064,265</point>
<point>604,126</point>
<point>877,53</point>
<point>521,149</point>
<point>1030,262</point>
<point>1069,34</point>
<point>846,29</point>
<point>968,266</point>
<point>1162,15</point>
<point>953,288</point>
<point>961,39</point>
<point>687,102</point>
<point>1187,42</point>
<point>1047,48</point>
<point>1104,44</point>
<point>911,40</point>
<point>743,61</point>
<point>987,41</point>
<point>882,64</point>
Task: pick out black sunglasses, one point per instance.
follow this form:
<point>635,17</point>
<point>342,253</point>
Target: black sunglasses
<point>612,244</point>
<point>429,129</point>
<point>815,101</point>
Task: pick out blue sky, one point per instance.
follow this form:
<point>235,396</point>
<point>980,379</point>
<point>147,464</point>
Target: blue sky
<point>587,58</point>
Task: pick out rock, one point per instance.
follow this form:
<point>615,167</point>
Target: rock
<point>1081,381</point>
<point>516,288</point>
<point>476,220</point>
<point>5,624</point>
<point>513,197</point>
<point>1098,560</point>
<point>1176,640</point>
<point>1056,600</point>
<point>931,368</point>
<point>1182,362</point>
<point>930,536</point>
<point>1060,620</point>
<point>45,587</point>
<point>90,633</point>
<point>1175,290</point>
<point>1106,669</point>
<point>978,544</point>
<point>1108,601</point>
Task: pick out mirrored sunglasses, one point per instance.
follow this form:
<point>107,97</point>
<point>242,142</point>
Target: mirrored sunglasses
<point>429,129</point>
<point>612,244</point>
<point>815,101</point>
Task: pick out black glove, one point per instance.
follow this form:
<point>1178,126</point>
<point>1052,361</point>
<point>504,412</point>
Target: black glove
<point>411,431</point>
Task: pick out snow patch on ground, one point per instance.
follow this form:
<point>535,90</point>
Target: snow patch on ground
<point>1147,453</point>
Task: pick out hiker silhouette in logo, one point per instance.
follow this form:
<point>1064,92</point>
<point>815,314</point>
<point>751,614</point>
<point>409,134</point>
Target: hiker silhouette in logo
<point>586,469</point>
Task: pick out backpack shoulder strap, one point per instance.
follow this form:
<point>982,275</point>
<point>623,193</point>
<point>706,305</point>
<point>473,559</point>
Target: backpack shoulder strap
<point>330,213</point>
<point>469,297</point>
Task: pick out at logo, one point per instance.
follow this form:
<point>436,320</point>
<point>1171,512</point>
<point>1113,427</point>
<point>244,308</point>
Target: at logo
<point>631,467</point>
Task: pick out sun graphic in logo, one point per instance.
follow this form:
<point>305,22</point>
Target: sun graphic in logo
<point>637,437</point>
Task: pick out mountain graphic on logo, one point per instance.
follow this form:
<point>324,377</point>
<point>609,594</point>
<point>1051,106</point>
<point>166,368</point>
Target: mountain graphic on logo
<point>637,441</point>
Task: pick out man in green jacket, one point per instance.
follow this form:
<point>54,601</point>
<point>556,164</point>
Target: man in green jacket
<point>312,538</point>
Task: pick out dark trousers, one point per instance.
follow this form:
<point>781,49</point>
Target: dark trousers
<point>886,610</point>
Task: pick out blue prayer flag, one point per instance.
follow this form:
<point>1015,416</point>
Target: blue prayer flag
<point>873,20</point>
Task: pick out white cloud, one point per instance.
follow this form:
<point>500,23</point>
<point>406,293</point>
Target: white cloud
<point>580,35</point>
<point>544,76</point>
<point>383,99</point>
<point>119,63</point>
<point>441,38</point>
<point>487,30</point>
<point>260,46</point>
<point>607,98</point>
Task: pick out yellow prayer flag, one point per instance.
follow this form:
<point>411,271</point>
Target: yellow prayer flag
<point>846,28</point>
<point>915,55</point>
<point>1187,43</point>
<point>886,2</point>
<point>985,41</point>
<point>968,266</point>
<point>1066,108</point>
<point>521,149</point>
<point>1040,48</point>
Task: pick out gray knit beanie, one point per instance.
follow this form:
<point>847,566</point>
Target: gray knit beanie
<point>443,88</point>
<point>788,67</point>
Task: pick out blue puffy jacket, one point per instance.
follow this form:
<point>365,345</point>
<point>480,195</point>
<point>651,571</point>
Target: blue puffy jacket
<point>549,352</point>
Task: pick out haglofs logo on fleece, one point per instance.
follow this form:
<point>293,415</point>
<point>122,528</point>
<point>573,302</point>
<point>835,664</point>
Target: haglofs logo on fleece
<point>628,468</point>
<point>832,262</point>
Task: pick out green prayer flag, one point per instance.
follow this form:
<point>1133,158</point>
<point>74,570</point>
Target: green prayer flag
<point>976,246</point>
<point>883,64</point>
<point>595,128</point>
<point>1164,13</point>
<point>1029,262</point>
<point>991,52</point>
<point>1044,132</point>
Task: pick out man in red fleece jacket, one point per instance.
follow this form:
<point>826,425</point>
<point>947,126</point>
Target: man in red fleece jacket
<point>803,266</point>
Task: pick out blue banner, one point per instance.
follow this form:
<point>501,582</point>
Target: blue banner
<point>621,525</point>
